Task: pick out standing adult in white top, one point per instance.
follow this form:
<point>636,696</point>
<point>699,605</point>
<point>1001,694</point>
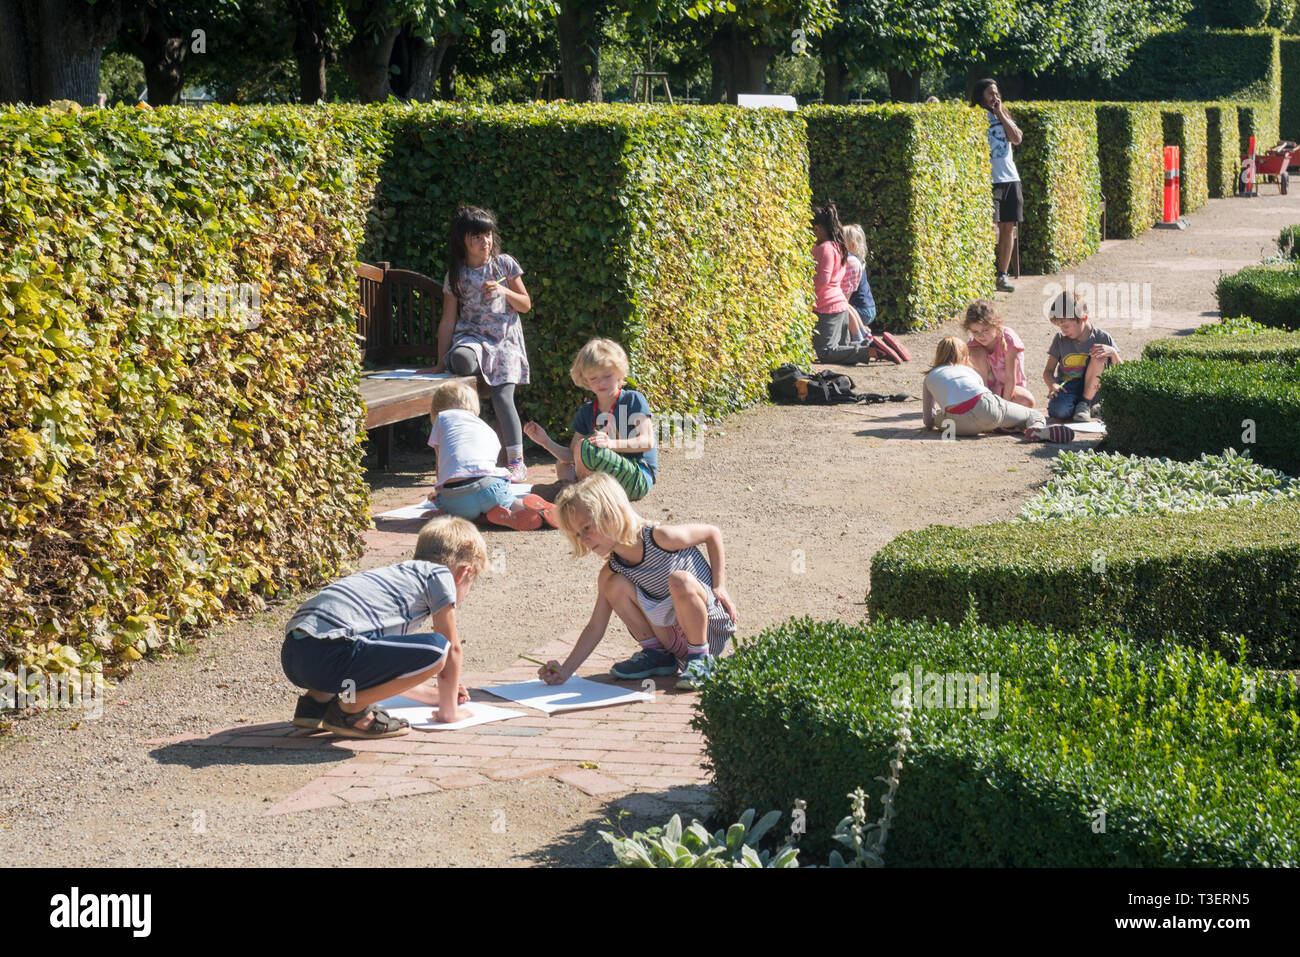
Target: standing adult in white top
<point>1008,199</point>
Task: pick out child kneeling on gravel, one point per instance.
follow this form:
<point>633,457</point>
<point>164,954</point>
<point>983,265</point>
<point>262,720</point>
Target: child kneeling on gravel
<point>672,599</point>
<point>356,642</point>
<point>958,391</point>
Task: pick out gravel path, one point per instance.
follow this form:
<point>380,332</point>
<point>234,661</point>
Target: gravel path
<point>828,485</point>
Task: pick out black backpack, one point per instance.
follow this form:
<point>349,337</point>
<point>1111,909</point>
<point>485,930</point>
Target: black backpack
<point>791,385</point>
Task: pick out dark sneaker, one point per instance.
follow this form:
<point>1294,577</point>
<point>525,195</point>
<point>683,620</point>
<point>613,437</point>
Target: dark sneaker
<point>644,664</point>
<point>1082,412</point>
<point>697,670</point>
<point>1004,283</point>
<point>310,713</point>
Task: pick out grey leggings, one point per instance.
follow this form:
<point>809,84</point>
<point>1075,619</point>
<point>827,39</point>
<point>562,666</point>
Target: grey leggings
<point>464,361</point>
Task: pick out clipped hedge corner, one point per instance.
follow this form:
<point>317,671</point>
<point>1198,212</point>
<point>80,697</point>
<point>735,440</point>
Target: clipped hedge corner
<point>1268,294</point>
<point>918,180</point>
<point>1192,760</point>
<point>1061,178</point>
<point>1130,140</point>
<point>1183,125</point>
<point>1221,140</point>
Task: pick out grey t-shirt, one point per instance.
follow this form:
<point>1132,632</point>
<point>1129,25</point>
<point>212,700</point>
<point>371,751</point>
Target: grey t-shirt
<point>1073,353</point>
<point>390,600</point>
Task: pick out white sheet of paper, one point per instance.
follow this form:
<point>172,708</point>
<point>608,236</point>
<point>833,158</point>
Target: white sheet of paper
<point>573,694</point>
<point>426,509</point>
<point>421,715</point>
<point>1098,428</point>
<point>410,374</point>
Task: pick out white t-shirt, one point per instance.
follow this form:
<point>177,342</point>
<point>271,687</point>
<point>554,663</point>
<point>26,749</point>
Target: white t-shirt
<point>1004,162</point>
<point>467,446</point>
<point>953,385</point>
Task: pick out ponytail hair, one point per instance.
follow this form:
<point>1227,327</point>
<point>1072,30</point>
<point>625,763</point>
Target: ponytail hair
<point>951,351</point>
<point>828,218</point>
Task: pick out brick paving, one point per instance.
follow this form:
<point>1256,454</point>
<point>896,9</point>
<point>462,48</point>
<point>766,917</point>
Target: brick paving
<point>645,746</point>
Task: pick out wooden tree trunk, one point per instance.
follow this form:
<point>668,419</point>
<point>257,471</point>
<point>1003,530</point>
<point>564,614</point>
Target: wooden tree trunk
<point>311,49</point>
<point>51,50</point>
<point>368,53</point>
<point>833,73</point>
<point>904,87</point>
<point>447,73</point>
<point>739,64</point>
<point>579,53</point>
<point>419,63</point>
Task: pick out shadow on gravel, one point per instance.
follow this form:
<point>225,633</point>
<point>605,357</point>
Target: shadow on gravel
<point>217,751</point>
<point>582,846</point>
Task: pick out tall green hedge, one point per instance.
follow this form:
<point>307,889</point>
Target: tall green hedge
<point>1061,179</point>
<point>918,180</point>
<point>1221,141</point>
<point>1236,65</point>
<point>1184,126</point>
<point>1201,577</point>
<point>1093,752</point>
<point>1268,294</point>
<point>1130,144</point>
<point>160,467</point>
<point>1289,114</point>
<point>1259,120</point>
<point>1181,408</point>
<point>680,232</point>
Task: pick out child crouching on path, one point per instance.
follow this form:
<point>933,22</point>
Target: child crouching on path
<point>997,353</point>
<point>960,395</point>
<point>614,432</point>
<point>470,484</point>
<point>671,598</point>
<point>1078,353</point>
<point>356,642</point>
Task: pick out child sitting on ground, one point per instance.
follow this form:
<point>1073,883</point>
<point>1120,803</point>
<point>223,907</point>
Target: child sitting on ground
<point>1075,359</point>
<point>355,642</point>
<point>470,484</point>
<point>961,396</point>
<point>671,598</point>
<point>855,285</point>
<point>614,432</point>
<point>997,353</point>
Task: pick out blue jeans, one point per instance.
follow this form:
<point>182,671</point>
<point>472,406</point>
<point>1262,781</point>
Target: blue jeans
<point>475,499</point>
<point>367,660</point>
<point>1061,405</point>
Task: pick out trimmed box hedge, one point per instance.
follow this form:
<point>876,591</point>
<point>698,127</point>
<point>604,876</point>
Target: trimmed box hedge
<point>1268,294</point>
<point>1288,242</point>
<point>1130,144</point>
<point>918,179</point>
<point>1061,177</point>
<point>1259,120</point>
<point>1236,65</point>
<point>163,466</point>
<point>1184,125</point>
<point>1097,753</point>
<point>1197,577</point>
<point>1221,140</point>
<point>1288,121</point>
<point>1181,408</point>
<point>1271,346</point>
<point>681,233</point>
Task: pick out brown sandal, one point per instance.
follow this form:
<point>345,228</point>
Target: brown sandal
<point>343,724</point>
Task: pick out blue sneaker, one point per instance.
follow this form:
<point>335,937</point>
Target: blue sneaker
<point>644,664</point>
<point>698,668</point>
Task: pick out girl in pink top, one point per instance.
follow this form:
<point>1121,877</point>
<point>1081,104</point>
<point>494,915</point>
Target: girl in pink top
<point>831,337</point>
<point>997,353</point>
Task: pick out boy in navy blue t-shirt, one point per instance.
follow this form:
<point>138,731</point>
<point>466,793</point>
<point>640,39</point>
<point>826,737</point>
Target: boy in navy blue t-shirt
<point>612,433</point>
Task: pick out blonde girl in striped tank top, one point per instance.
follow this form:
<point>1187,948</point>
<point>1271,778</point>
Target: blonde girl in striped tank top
<point>672,598</point>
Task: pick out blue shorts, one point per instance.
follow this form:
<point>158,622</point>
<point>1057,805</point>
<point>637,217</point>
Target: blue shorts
<point>326,664</point>
<point>475,498</point>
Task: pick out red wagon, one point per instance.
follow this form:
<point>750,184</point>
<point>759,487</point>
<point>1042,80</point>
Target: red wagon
<point>1273,164</point>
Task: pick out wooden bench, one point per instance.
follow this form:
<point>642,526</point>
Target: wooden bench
<point>398,327</point>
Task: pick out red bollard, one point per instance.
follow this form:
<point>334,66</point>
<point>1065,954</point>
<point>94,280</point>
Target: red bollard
<point>1172,173</point>
<point>1173,181</point>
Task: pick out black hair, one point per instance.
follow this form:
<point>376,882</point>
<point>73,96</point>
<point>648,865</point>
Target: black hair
<point>977,93</point>
<point>828,218</point>
<point>468,221</point>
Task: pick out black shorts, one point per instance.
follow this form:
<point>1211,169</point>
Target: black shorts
<point>1008,203</point>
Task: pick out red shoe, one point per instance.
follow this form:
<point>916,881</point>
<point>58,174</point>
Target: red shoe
<point>524,520</point>
<point>881,350</point>
<point>899,349</point>
<point>539,505</point>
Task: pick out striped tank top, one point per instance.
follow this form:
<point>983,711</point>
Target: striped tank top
<point>650,576</point>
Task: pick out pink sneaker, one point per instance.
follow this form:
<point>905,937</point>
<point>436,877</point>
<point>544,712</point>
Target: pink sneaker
<point>518,471</point>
